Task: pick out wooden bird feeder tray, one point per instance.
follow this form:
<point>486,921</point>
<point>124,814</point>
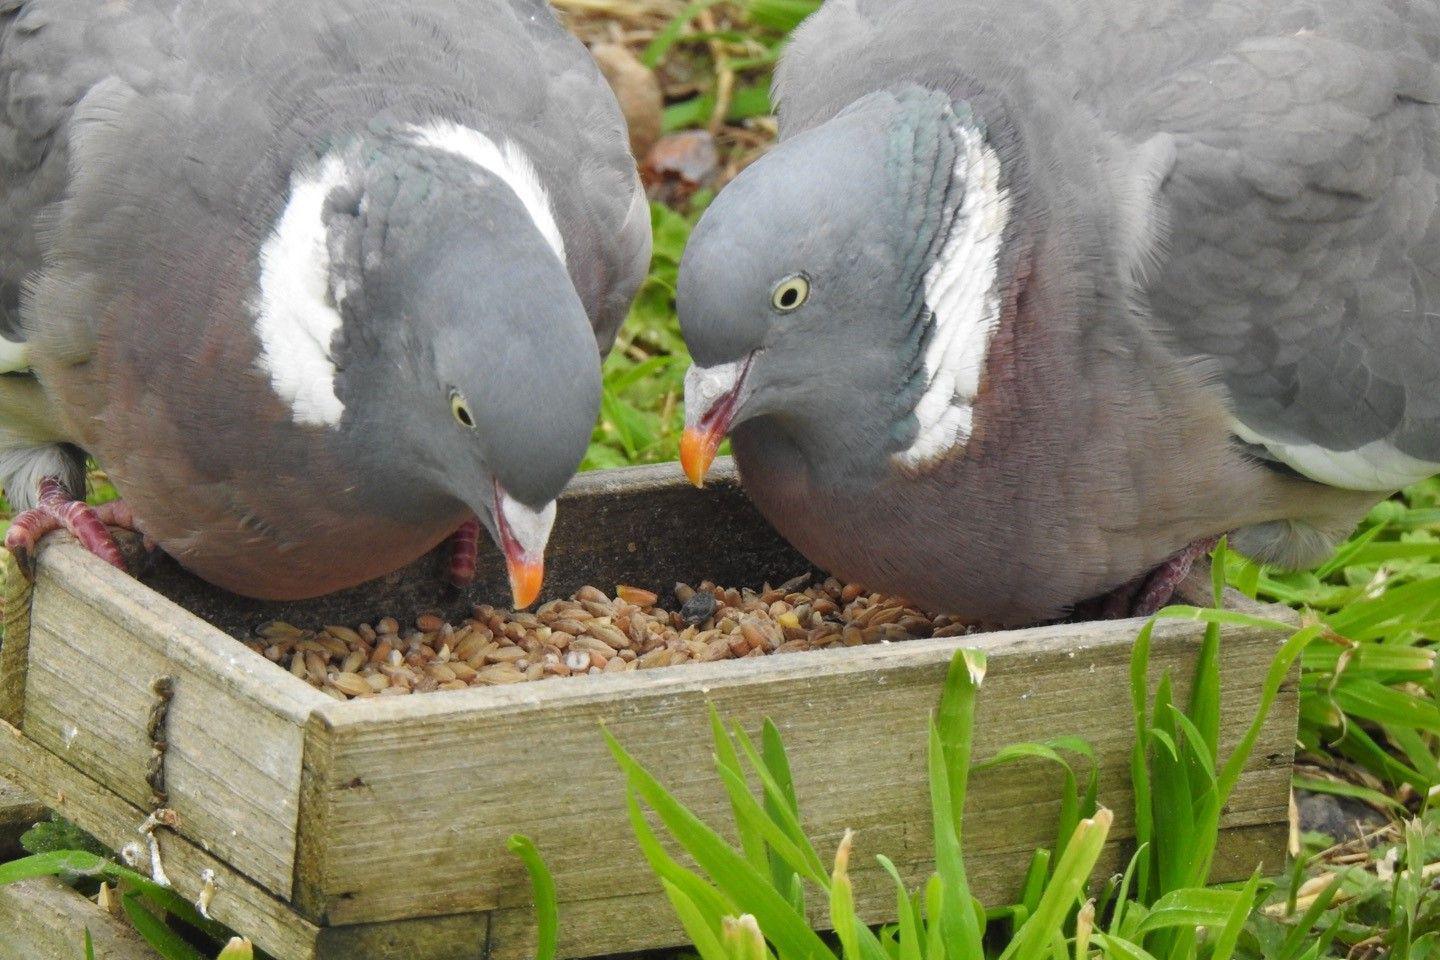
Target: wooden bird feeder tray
<point>377,828</point>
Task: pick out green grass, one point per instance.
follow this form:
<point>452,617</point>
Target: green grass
<point>1369,705</point>
<point>642,412</point>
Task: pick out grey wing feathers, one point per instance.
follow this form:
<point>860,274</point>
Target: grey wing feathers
<point>1304,253</point>
<point>597,186</point>
<point>52,54</point>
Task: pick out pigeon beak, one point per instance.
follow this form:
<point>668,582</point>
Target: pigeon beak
<point>523,532</point>
<point>712,395</point>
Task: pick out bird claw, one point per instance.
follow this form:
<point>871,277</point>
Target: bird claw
<point>57,510</point>
<point>1146,595</point>
<point>464,549</point>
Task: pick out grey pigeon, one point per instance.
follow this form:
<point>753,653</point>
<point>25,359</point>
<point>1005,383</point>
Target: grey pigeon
<point>317,284</point>
<point>1036,298</point>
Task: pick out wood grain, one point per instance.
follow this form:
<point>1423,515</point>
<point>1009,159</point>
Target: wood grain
<point>98,642</point>
<point>43,919</point>
<point>410,802</point>
<point>239,902</point>
<point>14,643</point>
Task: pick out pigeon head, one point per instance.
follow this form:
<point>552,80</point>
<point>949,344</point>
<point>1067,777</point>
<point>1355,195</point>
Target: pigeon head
<point>448,351</point>
<point>844,288</point>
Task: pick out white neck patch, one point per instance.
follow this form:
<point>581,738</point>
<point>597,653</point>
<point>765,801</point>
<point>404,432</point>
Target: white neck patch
<point>295,314</point>
<point>504,160</point>
<point>963,297</point>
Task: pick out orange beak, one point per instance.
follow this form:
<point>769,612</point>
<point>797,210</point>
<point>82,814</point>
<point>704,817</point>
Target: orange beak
<point>697,452</point>
<point>525,580</point>
<point>523,532</point>
<point>712,396</point>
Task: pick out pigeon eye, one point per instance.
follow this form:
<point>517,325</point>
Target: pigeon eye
<point>790,293</point>
<point>461,410</point>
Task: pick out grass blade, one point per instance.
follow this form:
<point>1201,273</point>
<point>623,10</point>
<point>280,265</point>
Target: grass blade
<point>542,886</point>
<point>908,944</point>
<point>1139,752</point>
<point>727,760</point>
<point>702,937</point>
<point>712,902</point>
<point>730,871</point>
<point>1062,895</point>
<point>1229,935</point>
<point>57,863</point>
<point>1123,949</point>
<point>782,807</point>
<point>949,764</point>
<point>777,764</point>
<point>153,930</point>
<point>1191,907</point>
<point>750,819</point>
<point>842,901</point>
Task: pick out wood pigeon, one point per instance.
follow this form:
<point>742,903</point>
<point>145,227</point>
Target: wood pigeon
<point>317,284</point>
<point>1035,299</point>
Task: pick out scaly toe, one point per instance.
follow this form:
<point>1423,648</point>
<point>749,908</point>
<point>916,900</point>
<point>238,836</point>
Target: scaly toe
<point>464,548</point>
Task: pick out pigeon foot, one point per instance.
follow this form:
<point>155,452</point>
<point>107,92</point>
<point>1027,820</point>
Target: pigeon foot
<point>57,510</point>
<point>464,547</point>
<point>1147,594</point>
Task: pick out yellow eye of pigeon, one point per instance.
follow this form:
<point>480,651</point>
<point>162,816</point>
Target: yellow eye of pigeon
<point>790,293</point>
<point>461,410</point>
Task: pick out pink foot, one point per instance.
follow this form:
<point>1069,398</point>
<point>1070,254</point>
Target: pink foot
<point>56,510</point>
<point>1147,594</point>
<point>1159,587</point>
<point>464,547</point>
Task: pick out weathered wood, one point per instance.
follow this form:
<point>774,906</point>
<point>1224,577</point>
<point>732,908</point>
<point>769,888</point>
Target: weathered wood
<point>45,920</point>
<point>462,937</point>
<point>98,644</point>
<point>14,642</point>
<point>18,812</point>
<point>377,828</point>
<point>238,902</point>
<point>416,798</point>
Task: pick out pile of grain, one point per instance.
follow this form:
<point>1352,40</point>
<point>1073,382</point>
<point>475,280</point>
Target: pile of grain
<point>591,633</point>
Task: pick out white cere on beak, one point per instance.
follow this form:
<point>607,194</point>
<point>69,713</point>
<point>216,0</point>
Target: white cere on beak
<point>529,527</point>
<point>963,295</point>
<point>704,386</point>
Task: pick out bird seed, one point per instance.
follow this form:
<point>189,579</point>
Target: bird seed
<point>591,633</point>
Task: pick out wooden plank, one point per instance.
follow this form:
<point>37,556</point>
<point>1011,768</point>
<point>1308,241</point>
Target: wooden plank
<point>238,902</point>
<point>605,925</point>
<point>18,812</point>
<point>409,801</point>
<point>45,920</point>
<point>14,644</point>
<point>98,643</point>
<point>462,937</point>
